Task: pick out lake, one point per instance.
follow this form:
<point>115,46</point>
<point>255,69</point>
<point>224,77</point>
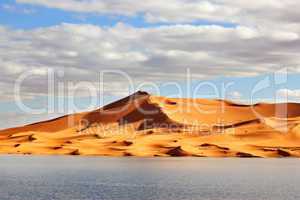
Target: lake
<point>130,178</point>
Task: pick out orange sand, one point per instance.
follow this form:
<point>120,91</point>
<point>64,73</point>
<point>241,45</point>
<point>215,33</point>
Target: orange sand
<point>145,125</point>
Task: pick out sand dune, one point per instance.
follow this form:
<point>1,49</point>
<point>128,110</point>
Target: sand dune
<point>145,125</point>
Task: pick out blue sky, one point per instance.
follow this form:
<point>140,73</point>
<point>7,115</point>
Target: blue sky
<point>39,16</point>
<point>45,17</point>
<point>153,43</point>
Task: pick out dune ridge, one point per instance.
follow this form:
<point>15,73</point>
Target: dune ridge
<point>146,125</point>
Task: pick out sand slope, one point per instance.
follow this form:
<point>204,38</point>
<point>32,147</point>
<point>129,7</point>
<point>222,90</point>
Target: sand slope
<point>145,125</point>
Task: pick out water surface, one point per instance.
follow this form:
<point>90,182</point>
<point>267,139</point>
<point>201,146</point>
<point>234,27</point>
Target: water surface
<point>130,178</point>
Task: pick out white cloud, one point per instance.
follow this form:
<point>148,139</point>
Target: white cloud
<point>265,39</point>
<point>285,36</point>
<point>287,93</point>
<point>15,9</point>
<point>146,54</point>
<point>235,95</point>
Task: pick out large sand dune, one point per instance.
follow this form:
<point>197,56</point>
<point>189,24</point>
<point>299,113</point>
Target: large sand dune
<point>145,125</point>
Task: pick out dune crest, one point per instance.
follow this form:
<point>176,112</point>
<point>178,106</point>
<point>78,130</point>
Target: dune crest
<point>146,125</point>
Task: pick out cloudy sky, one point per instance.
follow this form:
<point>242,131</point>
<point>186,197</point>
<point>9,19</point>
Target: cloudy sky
<point>153,45</point>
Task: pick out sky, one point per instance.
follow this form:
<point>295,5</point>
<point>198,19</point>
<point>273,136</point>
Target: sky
<point>92,52</point>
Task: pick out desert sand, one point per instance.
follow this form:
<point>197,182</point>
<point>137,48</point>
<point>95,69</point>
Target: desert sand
<point>146,125</point>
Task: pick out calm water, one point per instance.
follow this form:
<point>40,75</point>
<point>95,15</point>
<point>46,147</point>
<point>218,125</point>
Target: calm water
<point>39,177</point>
